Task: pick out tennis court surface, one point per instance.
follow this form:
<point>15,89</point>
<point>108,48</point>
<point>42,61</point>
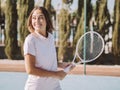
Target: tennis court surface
<point>13,77</point>
<point>16,81</point>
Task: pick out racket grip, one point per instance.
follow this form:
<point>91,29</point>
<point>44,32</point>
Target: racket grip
<point>67,69</point>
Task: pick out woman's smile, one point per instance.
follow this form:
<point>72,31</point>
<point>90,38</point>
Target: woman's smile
<point>38,20</point>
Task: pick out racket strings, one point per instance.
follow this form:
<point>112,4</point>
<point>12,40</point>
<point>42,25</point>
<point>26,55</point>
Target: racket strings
<point>89,46</point>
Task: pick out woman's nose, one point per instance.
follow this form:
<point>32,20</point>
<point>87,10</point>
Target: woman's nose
<point>41,20</point>
<point>37,20</point>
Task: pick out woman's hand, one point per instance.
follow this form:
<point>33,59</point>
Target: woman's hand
<point>66,66</point>
<point>69,68</point>
<point>63,64</point>
<point>61,74</point>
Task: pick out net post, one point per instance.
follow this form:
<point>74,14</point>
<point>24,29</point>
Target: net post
<point>84,38</point>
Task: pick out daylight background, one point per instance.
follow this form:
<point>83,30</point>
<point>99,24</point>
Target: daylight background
<point>103,16</point>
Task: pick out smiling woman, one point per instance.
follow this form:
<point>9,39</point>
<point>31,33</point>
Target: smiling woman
<point>40,54</point>
<point>39,22</point>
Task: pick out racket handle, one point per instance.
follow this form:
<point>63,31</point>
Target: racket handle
<point>67,69</point>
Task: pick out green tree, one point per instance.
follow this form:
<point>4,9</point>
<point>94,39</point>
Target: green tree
<point>67,1</point>
<point>102,15</point>
<point>0,12</point>
<point>24,8</point>
<point>116,33</point>
<point>49,7</point>
<point>11,44</point>
<point>64,33</point>
<point>80,26</point>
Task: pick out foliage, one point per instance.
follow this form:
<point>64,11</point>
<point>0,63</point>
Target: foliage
<point>24,8</point>
<point>67,1</point>
<point>81,13</point>
<point>11,44</point>
<point>49,7</point>
<point>116,33</point>
<point>102,15</point>
<point>64,33</point>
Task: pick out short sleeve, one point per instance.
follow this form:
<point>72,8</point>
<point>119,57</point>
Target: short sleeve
<point>29,46</point>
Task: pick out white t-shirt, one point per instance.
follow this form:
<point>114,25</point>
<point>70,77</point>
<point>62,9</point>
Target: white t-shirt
<point>44,51</point>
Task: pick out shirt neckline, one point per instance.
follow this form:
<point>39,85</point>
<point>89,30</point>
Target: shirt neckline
<point>41,36</point>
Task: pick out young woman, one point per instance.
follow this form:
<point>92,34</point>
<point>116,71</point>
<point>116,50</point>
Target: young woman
<point>40,54</point>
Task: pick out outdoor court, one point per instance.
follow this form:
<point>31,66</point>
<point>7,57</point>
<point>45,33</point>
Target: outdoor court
<point>13,77</point>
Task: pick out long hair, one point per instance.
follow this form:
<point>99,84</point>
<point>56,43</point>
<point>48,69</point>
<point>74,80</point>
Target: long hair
<point>49,25</point>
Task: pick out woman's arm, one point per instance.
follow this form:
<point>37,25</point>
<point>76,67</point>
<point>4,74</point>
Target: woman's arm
<point>63,64</point>
<point>32,69</point>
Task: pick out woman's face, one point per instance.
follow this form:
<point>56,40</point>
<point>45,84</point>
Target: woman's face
<point>38,20</point>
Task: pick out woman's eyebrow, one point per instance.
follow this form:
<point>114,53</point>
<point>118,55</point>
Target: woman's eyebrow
<point>37,15</point>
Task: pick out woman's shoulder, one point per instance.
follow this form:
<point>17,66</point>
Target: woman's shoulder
<point>29,37</point>
<point>51,35</point>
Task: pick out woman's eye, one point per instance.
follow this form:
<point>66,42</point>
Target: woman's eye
<point>38,17</point>
<point>33,17</point>
<point>42,17</point>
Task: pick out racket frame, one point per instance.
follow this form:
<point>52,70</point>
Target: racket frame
<point>67,69</point>
<point>76,52</point>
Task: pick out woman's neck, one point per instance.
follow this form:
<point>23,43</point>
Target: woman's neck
<point>45,34</point>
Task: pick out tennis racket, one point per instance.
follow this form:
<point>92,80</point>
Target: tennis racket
<point>89,47</point>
